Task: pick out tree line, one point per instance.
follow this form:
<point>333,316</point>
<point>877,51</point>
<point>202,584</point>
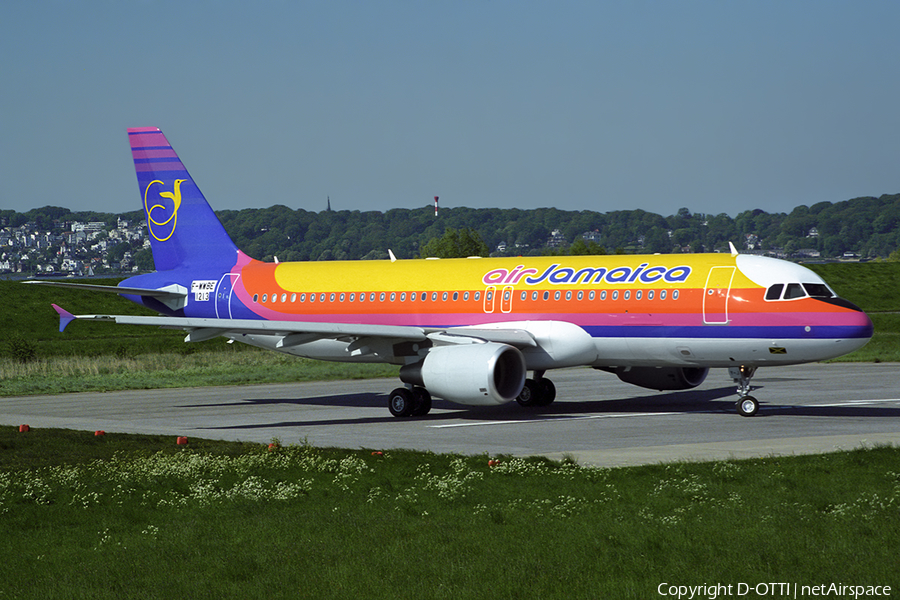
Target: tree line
<point>868,227</point>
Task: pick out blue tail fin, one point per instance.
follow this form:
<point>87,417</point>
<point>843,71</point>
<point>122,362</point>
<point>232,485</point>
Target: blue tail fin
<point>184,231</point>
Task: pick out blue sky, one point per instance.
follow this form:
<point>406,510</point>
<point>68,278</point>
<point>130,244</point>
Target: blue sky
<point>714,106</point>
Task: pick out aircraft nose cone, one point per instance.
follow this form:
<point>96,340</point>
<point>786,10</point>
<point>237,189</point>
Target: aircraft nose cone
<point>863,326</point>
<point>858,331</point>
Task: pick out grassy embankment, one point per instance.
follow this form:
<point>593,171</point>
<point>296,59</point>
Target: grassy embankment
<point>875,287</point>
<point>94,356</point>
<point>132,516</point>
<point>102,356</point>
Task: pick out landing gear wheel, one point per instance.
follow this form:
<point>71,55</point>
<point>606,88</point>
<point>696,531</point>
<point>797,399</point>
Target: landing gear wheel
<point>548,392</point>
<point>530,394</point>
<point>537,392</point>
<point>401,403</point>
<point>422,402</point>
<point>748,406</point>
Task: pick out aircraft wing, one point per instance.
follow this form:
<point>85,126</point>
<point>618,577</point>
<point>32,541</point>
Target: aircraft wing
<point>205,328</point>
<point>520,338</point>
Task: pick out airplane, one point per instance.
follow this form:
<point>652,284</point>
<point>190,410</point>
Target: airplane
<point>470,330</point>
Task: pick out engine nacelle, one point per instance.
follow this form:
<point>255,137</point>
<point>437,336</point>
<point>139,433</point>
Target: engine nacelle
<point>473,374</point>
<point>663,378</point>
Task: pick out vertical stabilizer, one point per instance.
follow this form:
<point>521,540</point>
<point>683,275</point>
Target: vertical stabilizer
<point>184,231</point>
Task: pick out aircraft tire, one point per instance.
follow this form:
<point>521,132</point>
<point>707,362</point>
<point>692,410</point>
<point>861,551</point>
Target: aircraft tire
<point>401,403</point>
<point>547,392</point>
<point>530,394</point>
<point>422,402</point>
<point>748,406</point>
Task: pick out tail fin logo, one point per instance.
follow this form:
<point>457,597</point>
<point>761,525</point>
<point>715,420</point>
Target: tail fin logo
<point>158,227</point>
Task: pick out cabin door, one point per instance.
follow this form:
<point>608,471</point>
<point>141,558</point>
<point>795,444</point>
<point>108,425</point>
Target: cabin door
<point>715,295</point>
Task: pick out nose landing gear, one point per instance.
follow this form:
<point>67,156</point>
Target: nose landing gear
<point>747,405</point>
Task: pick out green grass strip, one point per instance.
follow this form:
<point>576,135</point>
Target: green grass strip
<point>136,516</point>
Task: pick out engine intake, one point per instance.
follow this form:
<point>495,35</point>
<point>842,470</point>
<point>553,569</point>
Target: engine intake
<point>473,374</point>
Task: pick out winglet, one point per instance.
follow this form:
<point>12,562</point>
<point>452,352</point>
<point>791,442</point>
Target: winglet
<point>734,251</point>
<point>391,254</point>
<point>65,317</point>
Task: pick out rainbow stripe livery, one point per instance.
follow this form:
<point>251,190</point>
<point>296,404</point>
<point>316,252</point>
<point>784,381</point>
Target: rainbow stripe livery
<point>470,330</point>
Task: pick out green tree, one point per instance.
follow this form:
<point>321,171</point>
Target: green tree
<point>143,258</point>
<point>455,243</point>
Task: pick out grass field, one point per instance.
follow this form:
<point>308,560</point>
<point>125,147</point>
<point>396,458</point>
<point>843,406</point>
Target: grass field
<point>138,517</point>
<point>874,286</point>
<point>166,370</point>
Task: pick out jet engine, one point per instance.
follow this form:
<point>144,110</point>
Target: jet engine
<point>474,374</point>
<point>663,378</point>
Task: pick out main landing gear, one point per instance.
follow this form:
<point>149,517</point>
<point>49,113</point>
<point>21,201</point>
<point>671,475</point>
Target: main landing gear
<point>747,405</point>
<point>404,402</point>
<point>416,401</point>
<point>537,392</point>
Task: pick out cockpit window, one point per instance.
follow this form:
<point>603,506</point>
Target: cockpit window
<point>794,290</point>
<point>818,290</point>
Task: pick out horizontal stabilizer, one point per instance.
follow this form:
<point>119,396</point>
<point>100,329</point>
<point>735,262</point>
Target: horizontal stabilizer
<point>65,317</point>
<point>165,294</point>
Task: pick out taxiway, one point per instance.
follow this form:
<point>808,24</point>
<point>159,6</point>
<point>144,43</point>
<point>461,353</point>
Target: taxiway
<point>596,419</point>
